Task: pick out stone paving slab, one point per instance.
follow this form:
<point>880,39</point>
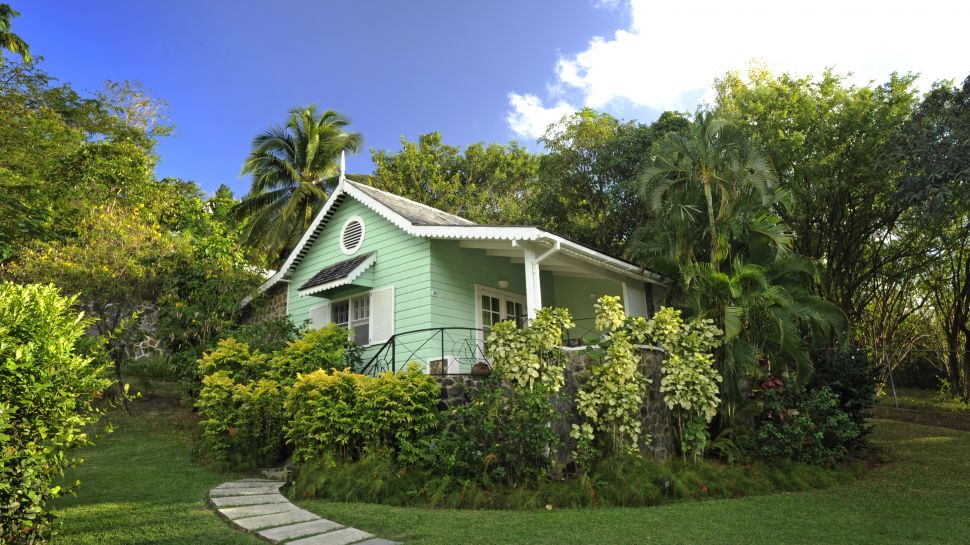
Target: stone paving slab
<point>300,529</point>
<point>234,501</point>
<point>250,484</point>
<point>233,513</point>
<point>215,492</point>
<point>256,505</point>
<point>279,519</point>
<point>336,537</point>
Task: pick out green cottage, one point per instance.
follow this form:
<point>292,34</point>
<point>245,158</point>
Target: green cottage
<point>413,283</point>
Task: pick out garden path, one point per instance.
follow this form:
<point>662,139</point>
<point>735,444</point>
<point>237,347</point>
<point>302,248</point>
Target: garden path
<point>256,505</point>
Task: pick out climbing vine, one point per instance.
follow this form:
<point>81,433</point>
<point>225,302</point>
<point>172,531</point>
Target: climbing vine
<point>690,381</point>
<point>533,355</point>
<point>610,400</point>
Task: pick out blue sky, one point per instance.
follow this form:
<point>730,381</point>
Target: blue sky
<point>477,71</point>
<point>229,69</point>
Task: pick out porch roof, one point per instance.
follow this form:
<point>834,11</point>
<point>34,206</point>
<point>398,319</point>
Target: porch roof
<point>338,274</point>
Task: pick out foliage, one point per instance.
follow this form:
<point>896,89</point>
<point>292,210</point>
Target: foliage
<point>852,377</point>
<point>236,359</point>
<point>807,427</point>
<point>325,348</point>
<point>483,183</point>
<point>8,40</point>
<point>583,189</point>
<point>46,392</point>
<point>529,356</point>
<point>242,422</point>
<point>690,380</point>
<point>294,169</point>
<point>503,436</point>
<point>341,414</point>
<point>267,336</point>
<point>609,402</point>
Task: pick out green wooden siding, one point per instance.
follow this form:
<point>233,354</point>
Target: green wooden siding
<point>579,295</point>
<point>402,261</point>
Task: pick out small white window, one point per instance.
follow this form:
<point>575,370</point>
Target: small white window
<point>354,315</point>
<point>352,235</point>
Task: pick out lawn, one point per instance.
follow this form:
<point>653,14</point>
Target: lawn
<point>139,486</point>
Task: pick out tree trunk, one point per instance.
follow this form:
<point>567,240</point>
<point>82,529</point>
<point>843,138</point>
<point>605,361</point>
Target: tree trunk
<point>709,197</point>
<point>953,362</point>
<point>966,368</point>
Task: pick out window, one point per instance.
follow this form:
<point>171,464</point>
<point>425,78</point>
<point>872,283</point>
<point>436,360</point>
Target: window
<point>352,235</point>
<point>354,315</point>
<point>495,306</point>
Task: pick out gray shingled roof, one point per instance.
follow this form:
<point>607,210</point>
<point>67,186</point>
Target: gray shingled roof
<point>335,271</point>
<point>416,213</point>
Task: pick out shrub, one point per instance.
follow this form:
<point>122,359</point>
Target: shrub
<point>502,436</point>
<point>853,378</point>
<point>807,427</point>
<point>267,336</point>
<point>46,393</point>
<point>242,424</point>
<point>341,414</point>
<point>324,348</point>
<point>236,359</point>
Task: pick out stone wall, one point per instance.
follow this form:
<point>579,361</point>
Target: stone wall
<point>655,417</point>
<point>269,305</point>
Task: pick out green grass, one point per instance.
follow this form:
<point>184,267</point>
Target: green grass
<point>140,486</point>
<point>916,399</point>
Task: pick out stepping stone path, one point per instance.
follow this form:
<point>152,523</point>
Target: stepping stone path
<point>256,505</point>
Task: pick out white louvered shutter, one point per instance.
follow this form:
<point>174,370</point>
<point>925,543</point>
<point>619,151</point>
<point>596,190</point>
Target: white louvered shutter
<point>634,299</point>
<point>381,314</point>
<point>320,316</point>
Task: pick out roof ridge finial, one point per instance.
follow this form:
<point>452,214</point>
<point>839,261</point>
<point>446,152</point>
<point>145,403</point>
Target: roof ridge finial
<point>343,164</point>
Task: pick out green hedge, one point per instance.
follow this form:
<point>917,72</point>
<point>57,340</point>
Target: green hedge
<point>46,392</point>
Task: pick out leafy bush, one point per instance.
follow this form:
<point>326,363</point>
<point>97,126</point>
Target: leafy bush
<point>324,348</point>
<point>240,362</point>
<point>851,376</point>
<point>46,394</point>
<point>808,427</point>
<point>242,423</point>
<point>502,436</point>
<point>341,414</point>
<point>267,336</point>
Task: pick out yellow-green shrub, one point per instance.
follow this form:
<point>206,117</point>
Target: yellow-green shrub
<point>342,414</point>
<point>324,348</point>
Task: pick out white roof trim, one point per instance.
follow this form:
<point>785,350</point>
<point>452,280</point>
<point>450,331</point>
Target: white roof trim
<point>349,279</point>
<point>456,232</point>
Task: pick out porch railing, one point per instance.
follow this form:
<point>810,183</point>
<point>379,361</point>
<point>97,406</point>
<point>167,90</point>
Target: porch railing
<point>456,347</point>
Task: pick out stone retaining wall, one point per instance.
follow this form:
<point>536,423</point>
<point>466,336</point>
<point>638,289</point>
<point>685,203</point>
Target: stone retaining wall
<point>655,416</point>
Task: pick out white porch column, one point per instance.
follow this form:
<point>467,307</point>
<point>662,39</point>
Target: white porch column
<point>533,289</point>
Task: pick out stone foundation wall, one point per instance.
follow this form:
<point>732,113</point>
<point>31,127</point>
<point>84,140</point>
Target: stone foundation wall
<point>269,305</point>
<point>655,417</point>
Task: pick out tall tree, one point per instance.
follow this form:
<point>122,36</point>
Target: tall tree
<point>485,183</point>
<point>828,141</point>
<point>8,40</point>
<point>294,170</point>
<point>584,188</point>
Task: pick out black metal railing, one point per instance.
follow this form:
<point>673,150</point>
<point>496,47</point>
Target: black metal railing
<point>460,347</point>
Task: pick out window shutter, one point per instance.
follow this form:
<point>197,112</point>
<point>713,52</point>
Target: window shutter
<point>320,316</point>
<point>634,299</point>
<point>381,314</point>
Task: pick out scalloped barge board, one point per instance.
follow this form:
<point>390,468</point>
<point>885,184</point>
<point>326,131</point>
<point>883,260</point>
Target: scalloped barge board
<point>255,505</point>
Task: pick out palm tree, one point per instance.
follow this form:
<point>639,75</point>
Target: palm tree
<point>294,170</point>
<point>717,159</point>
<point>8,40</point>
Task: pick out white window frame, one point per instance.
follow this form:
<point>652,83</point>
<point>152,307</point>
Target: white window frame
<point>503,296</point>
<point>351,321</point>
<point>360,243</point>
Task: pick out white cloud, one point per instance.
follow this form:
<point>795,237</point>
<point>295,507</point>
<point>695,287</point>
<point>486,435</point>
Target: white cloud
<point>672,51</point>
<point>530,118</point>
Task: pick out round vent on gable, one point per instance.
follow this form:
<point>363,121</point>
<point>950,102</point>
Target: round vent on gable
<point>352,235</point>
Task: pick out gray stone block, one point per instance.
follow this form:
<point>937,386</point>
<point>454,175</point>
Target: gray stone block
<point>233,513</point>
<point>249,484</point>
<point>272,521</point>
<point>337,537</point>
<point>301,529</point>
<point>234,501</point>
<point>220,492</point>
